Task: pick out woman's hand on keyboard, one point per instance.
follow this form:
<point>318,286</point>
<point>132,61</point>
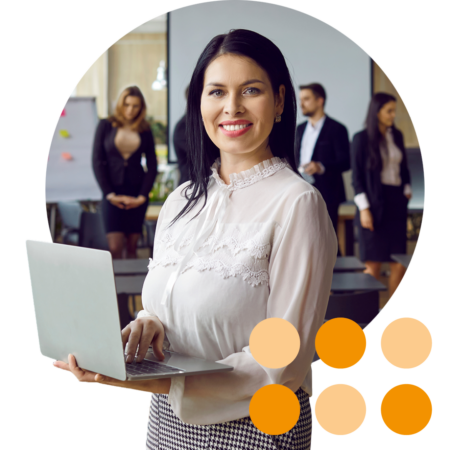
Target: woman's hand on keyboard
<point>142,333</point>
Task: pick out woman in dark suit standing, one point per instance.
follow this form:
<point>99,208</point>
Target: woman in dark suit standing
<point>381,181</point>
<point>120,141</point>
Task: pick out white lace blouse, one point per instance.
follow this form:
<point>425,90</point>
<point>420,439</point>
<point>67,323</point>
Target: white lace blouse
<point>263,246</point>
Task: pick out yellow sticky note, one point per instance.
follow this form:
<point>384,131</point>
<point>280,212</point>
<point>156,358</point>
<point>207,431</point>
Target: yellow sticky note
<point>64,133</point>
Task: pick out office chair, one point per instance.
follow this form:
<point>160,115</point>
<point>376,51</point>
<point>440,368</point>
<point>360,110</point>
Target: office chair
<point>92,231</point>
<point>70,213</point>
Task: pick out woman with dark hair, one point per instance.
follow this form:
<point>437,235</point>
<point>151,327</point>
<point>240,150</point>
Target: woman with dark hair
<point>119,143</point>
<point>245,240</point>
<point>382,189</point>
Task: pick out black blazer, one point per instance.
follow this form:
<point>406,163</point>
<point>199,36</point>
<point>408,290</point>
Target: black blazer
<point>109,165</point>
<point>180,144</point>
<point>332,149</point>
<point>369,181</point>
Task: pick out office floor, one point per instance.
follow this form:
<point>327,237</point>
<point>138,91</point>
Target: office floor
<point>384,296</point>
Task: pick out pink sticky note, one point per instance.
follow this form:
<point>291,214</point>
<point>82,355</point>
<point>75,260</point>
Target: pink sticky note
<point>63,112</point>
<point>67,156</point>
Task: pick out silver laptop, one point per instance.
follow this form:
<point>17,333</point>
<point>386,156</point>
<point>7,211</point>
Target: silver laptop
<point>76,313</point>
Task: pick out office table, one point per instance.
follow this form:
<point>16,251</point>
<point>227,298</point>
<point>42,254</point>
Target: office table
<point>130,285</point>
<point>130,266</point>
<point>152,212</point>
<point>140,266</point>
<point>404,260</point>
<point>354,281</point>
<point>348,264</point>
<point>342,282</point>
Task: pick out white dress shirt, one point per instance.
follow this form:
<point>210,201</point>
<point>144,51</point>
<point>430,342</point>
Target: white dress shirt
<point>263,246</point>
<point>309,139</point>
<point>391,157</point>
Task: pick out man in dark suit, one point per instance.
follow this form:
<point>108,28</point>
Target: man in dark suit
<point>322,149</point>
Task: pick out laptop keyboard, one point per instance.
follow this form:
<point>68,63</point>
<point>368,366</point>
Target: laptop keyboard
<point>150,367</point>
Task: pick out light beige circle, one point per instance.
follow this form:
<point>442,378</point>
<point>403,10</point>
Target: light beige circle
<point>406,343</point>
<point>340,409</point>
<point>274,343</point>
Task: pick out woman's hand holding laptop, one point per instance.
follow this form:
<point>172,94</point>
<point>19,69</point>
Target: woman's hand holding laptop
<point>141,333</point>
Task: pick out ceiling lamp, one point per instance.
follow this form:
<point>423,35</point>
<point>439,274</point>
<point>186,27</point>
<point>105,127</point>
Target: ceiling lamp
<point>160,83</point>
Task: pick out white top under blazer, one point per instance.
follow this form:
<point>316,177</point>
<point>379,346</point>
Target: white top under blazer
<point>263,246</point>
<point>309,140</point>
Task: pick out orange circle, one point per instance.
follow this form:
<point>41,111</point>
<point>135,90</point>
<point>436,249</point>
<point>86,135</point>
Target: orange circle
<point>340,409</point>
<point>340,343</point>
<point>406,409</point>
<point>406,343</point>
<point>274,343</point>
<point>274,409</point>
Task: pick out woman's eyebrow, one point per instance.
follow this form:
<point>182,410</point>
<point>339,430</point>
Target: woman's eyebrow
<point>254,80</point>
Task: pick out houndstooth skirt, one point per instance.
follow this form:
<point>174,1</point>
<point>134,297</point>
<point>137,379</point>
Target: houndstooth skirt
<point>167,432</point>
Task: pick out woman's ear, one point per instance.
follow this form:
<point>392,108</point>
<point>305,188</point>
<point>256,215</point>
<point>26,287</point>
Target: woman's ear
<point>279,100</point>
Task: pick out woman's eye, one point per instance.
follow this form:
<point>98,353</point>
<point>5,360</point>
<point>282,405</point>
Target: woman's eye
<point>251,91</point>
<point>216,93</point>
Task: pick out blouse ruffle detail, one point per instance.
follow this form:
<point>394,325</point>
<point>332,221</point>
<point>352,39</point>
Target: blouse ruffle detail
<point>251,176</point>
<point>228,251</point>
<point>231,252</point>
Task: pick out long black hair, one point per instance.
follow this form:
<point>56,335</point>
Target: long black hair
<point>201,151</point>
<point>378,100</point>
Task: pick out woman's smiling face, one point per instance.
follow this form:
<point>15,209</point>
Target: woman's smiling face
<point>238,105</point>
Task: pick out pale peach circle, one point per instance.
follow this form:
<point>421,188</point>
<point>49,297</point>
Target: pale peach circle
<point>340,409</point>
<point>274,343</point>
<point>406,343</point>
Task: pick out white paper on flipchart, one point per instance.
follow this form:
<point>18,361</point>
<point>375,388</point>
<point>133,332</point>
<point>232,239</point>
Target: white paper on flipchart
<point>73,179</point>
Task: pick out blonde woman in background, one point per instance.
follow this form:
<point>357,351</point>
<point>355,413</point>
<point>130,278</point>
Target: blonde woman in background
<point>120,141</point>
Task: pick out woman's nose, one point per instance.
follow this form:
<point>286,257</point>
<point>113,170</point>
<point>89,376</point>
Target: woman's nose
<point>233,105</point>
